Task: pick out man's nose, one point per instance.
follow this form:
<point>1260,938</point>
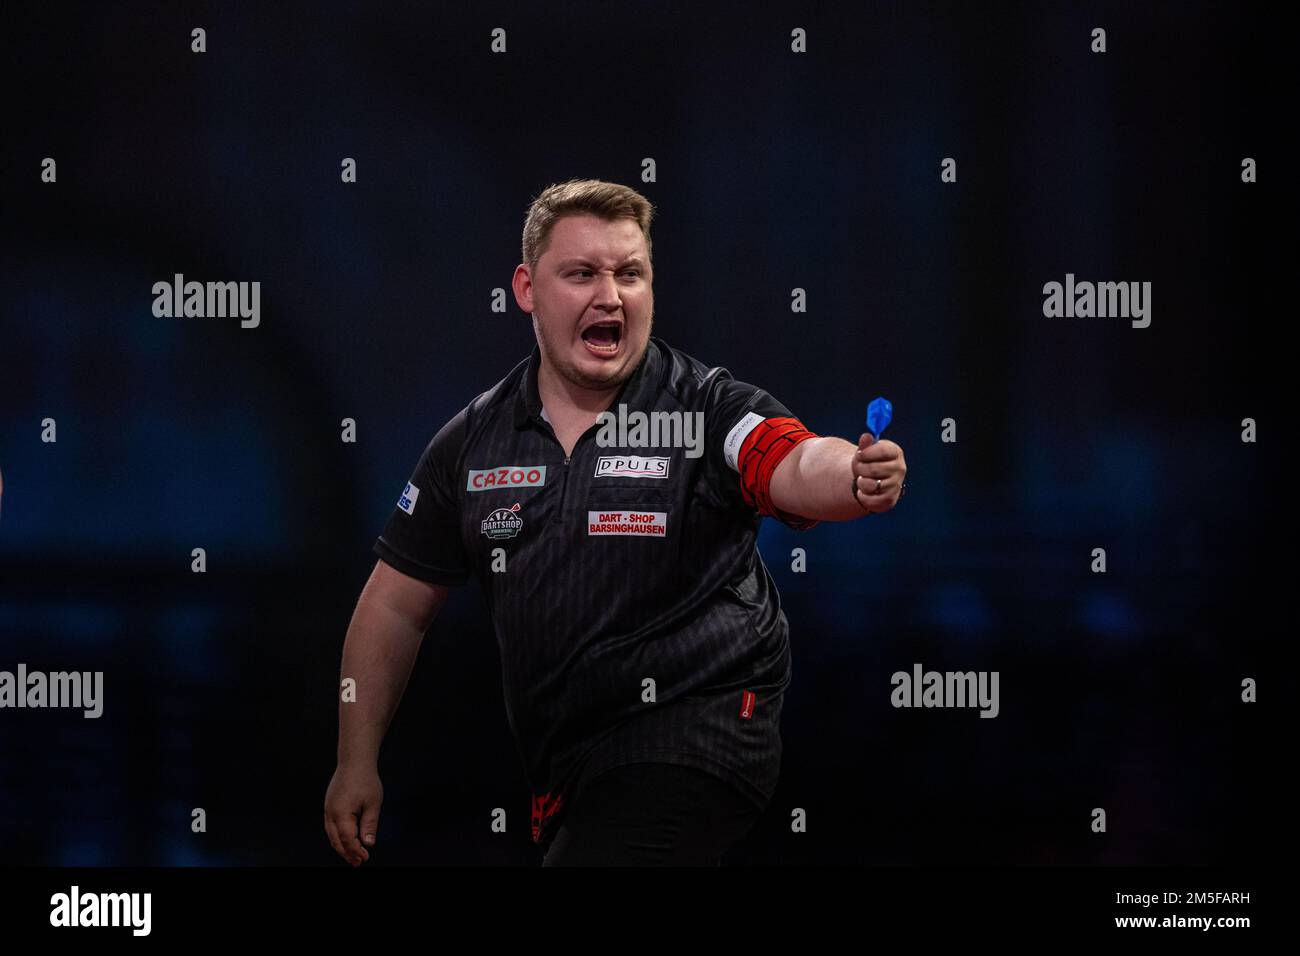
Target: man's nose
<point>606,295</point>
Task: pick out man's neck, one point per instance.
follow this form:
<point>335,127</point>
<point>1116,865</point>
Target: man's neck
<point>562,398</point>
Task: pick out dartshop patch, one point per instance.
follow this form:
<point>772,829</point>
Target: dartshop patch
<point>502,523</point>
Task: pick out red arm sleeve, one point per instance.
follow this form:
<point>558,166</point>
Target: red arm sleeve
<point>763,449</point>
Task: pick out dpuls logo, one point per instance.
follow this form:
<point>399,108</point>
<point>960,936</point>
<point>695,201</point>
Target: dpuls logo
<point>503,523</point>
<point>507,476</point>
<point>631,466</point>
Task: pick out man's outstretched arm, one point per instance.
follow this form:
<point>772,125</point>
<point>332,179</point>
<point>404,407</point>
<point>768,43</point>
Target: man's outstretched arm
<point>392,614</point>
<point>830,479</point>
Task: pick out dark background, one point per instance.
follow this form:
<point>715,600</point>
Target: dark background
<point>775,170</point>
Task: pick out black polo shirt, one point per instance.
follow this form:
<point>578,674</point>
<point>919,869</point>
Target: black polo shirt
<point>611,574</point>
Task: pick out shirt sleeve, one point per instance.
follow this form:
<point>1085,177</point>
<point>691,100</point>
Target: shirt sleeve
<point>749,433</point>
<point>422,537</point>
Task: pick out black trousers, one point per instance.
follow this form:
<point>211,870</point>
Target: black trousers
<point>652,814</point>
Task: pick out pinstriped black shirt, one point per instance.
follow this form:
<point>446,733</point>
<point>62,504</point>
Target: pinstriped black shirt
<point>635,618</point>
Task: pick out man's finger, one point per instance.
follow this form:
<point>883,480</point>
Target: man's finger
<point>332,832</point>
<point>874,470</point>
<point>866,439</point>
<point>864,500</point>
<point>338,841</point>
<point>347,827</point>
<point>369,825</point>
<point>880,451</point>
<point>867,490</point>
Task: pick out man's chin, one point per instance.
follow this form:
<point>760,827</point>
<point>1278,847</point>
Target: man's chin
<point>600,372</point>
<point>608,375</point>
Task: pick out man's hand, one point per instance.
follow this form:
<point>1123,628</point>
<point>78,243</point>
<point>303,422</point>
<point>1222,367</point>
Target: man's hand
<point>809,481</point>
<point>392,614</point>
<point>881,460</point>
<point>354,792</point>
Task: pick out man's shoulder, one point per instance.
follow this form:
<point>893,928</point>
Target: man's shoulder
<point>488,409</point>
<point>690,379</point>
<point>497,399</point>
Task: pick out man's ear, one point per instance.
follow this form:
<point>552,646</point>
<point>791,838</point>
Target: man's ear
<point>522,285</point>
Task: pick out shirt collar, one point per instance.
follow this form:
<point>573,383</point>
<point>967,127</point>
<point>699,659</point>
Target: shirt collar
<point>635,391</point>
<point>528,403</point>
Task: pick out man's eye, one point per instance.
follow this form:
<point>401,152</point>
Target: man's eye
<point>632,272</point>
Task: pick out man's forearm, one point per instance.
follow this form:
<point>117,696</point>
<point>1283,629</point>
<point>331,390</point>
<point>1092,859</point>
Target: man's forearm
<point>816,480</point>
<point>378,653</point>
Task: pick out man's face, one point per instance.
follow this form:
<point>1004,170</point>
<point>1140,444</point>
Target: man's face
<point>591,299</point>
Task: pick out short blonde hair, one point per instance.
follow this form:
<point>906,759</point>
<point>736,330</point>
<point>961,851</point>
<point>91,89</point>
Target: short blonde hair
<point>592,196</point>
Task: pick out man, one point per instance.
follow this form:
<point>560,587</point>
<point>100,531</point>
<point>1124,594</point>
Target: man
<point>644,652</point>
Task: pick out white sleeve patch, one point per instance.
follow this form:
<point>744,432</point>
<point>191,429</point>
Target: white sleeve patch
<point>736,437</point>
<point>409,496</point>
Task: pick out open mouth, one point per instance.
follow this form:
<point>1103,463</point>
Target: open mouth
<point>603,338</point>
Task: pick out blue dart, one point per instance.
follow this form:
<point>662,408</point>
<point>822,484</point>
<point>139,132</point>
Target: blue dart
<point>879,414</point>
